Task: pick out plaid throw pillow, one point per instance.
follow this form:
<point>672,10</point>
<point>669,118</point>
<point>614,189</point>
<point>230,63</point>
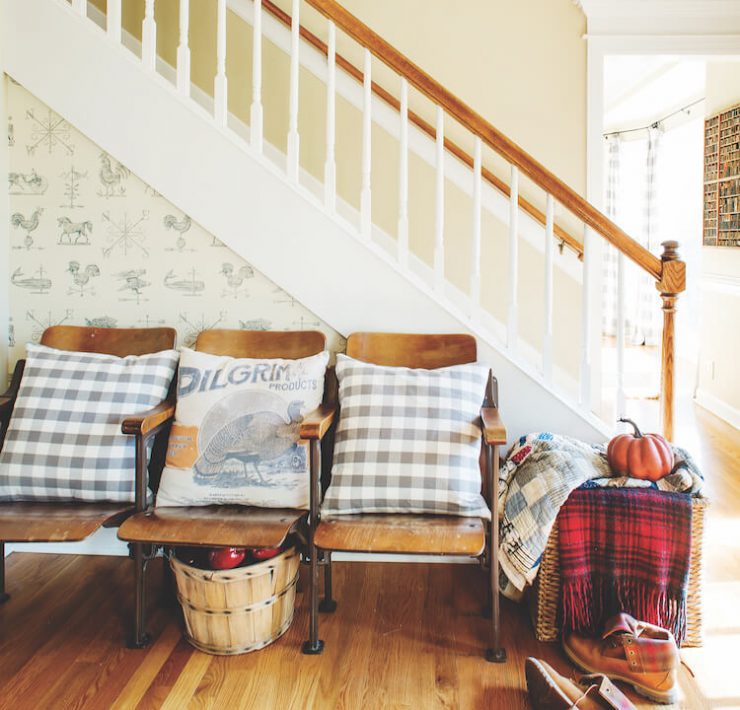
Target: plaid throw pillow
<point>408,440</point>
<point>64,441</point>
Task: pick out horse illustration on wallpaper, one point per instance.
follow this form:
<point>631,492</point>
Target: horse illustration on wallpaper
<point>79,230</point>
<point>241,446</point>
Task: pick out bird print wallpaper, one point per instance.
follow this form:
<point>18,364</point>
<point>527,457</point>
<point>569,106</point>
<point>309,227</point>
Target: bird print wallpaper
<point>91,244</point>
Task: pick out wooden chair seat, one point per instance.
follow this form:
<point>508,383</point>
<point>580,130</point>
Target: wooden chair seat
<point>58,522</point>
<point>410,534</point>
<point>213,526</point>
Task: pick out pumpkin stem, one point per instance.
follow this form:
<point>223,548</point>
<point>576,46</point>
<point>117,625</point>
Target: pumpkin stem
<point>638,433</point>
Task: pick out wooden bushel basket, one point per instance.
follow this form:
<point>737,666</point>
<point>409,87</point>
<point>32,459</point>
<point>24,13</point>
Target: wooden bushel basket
<point>237,610</point>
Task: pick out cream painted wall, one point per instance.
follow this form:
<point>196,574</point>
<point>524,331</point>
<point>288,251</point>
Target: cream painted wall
<point>719,382</point>
<point>521,65</point>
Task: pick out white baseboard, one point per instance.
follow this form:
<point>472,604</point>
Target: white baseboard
<point>718,407</point>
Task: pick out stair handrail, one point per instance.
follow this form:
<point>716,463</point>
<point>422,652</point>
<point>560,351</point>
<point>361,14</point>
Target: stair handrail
<point>669,271</point>
<point>563,236</point>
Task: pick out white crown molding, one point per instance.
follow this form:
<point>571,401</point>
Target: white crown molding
<point>661,17</point>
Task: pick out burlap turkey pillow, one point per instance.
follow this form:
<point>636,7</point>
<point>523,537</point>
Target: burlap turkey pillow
<point>236,433</point>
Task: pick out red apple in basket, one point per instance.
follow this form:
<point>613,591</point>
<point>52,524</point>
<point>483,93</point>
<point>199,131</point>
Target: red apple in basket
<point>265,553</point>
<point>226,557</point>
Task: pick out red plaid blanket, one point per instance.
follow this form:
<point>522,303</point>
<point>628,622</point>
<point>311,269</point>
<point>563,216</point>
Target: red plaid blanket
<point>624,550</point>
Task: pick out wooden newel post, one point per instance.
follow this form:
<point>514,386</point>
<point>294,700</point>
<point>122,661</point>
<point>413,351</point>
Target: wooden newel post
<point>672,282</point>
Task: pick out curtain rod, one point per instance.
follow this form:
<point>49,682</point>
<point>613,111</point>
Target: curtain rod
<point>655,124</point>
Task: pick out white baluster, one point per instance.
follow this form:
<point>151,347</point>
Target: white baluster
<point>621,398</point>
<point>330,167</point>
<point>149,37</point>
<point>403,178</point>
<point>366,219</point>
<point>513,312</point>
<point>113,21</point>
<point>293,138</point>
<point>255,110</point>
<point>475,251</point>
<point>183,50</point>
<point>547,347</point>
<point>439,212</point>
<point>585,394</point>
<point>220,97</point>
<point>80,6</point>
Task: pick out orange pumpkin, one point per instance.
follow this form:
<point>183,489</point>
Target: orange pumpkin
<point>646,456</point>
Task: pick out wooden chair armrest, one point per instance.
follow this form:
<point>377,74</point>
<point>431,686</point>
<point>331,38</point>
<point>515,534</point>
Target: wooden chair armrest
<point>146,422</point>
<point>316,423</point>
<point>494,431</point>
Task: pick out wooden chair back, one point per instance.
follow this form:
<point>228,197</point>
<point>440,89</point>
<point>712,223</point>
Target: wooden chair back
<point>289,344</point>
<point>109,341</point>
<point>417,350</point>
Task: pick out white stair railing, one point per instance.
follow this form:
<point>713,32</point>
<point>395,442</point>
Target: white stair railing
<point>450,163</point>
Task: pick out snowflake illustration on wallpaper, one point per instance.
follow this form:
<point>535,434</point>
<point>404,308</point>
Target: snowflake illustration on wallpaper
<point>38,284</point>
<point>126,234</point>
<point>180,227</point>
<point>194,327</point>
<point>81,278</point>
<point>28,225</point>
<point>40,323</point>
<point>133,285</point>
<point>72,179</point>
<point>235,280</point>
<point>50,131</point>
<point>190,286</point>
<point>27,183</point>
<point>112,174</point>
<point>79,231</point>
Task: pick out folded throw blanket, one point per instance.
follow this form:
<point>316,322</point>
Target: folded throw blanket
<point>624,551</point>
<point>536,479</point>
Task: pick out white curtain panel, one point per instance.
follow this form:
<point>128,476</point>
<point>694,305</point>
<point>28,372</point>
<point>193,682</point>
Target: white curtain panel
<point>642,304</point>
<point>643,309</point>
<point>609,316</point>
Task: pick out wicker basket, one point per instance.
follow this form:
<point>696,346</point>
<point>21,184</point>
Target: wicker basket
<point>237,610</point>
<point>544,597</point>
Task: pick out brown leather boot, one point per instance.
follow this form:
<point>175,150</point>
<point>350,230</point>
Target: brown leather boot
<point>548,690</point>
<point>638,653</point>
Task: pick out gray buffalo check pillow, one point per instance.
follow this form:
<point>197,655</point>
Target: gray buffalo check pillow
<point>408,440</point>
<point>64,441</point>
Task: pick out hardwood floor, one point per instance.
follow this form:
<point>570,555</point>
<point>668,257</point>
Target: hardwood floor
<point>403,636</point>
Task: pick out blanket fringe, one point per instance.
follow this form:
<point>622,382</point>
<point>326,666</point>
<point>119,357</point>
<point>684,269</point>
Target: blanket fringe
<point>588,602</point>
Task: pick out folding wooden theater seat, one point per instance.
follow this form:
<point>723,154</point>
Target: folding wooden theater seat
<point>231,525</point>
<point>74,521</point>
<point>411,534</point>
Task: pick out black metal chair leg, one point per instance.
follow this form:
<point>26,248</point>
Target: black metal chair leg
<point>4,596</point>
<point>328,604</point>
<point>496,653</point>
<point>314,645</point>
<point>141,638</point>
